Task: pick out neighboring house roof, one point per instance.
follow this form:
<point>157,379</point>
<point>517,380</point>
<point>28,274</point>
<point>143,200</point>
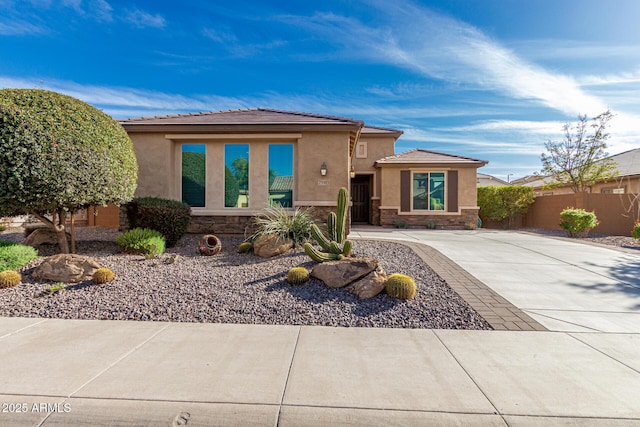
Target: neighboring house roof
<point>254,116</point>
<point>420,156</point>
<point>627,164</point>
<point>488,180</point>
<point>282,183</point>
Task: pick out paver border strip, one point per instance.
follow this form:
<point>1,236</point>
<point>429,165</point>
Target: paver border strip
<point>495,309</point>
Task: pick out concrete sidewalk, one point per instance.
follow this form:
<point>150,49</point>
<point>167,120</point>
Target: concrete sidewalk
<point>565,286</point>
<point>83,372</point>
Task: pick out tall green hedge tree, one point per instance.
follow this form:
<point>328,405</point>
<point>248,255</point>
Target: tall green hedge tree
<point>59,154</point>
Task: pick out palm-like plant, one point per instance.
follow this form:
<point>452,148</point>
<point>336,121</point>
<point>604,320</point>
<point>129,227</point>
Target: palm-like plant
<point>286,223</point>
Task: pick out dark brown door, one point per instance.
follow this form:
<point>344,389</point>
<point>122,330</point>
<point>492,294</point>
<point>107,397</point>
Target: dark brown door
<point>360,198</point>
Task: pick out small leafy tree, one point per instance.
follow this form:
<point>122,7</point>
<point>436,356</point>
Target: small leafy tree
<point>59,154</point>
<point>580,160</point>
<point>505,202</point>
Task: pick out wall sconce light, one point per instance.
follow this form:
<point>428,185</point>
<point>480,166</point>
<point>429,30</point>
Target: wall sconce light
<point>323,169</point>
<point>352,172</point>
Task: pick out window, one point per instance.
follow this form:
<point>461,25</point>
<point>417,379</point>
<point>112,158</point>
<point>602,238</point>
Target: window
<point>613,190</point>
<point>428,191</point>
<point>281,175</point>
<point>194,174</point>
<point>236,175</point>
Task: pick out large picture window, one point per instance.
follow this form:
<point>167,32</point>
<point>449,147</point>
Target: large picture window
<point>428,191</point>
<point>236,175</point>
<point>281,175</point>
<point>194,174</point>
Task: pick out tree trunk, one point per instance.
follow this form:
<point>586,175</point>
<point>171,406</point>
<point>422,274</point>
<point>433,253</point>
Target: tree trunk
<point>61,233</point>
<point>73,234</point>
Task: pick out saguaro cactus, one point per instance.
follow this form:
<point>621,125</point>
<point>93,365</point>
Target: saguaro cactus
<point>334,245</point>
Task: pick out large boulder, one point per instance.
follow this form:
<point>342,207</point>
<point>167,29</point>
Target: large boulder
<point>271,245</point>
<point>370,285</point>
<point>67,268</point>
<point>43,236</point>
<point>338,274</point>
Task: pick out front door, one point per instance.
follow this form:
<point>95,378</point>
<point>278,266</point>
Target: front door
<point>360,199</point>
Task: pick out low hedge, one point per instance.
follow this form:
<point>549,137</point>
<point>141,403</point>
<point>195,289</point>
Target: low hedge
<point>169,217</point>
<point>14,255</point>
<point>578,222</point>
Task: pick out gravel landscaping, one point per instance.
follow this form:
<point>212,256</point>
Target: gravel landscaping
<point>236,288</point>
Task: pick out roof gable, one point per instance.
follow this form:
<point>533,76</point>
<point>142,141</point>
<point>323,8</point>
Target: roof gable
<point>420,156</point>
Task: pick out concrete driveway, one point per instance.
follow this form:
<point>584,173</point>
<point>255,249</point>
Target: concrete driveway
<point>565,286</point>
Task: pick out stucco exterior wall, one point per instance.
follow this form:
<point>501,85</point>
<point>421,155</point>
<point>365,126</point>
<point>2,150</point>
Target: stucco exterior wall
<point>156,166</point>
<point>377,147</point>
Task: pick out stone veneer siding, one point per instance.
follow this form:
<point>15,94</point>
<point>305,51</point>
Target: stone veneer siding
<point>375,211</point>
<point>468,218</point>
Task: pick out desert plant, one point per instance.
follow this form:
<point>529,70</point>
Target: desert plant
<point>141,241</point>
<point>170,217</point>
<point>334,245</point>
<point>14,256</point>
<point>400,224</point>
<point>577,222</point>
<point>297,275</point>
<point>59,154</point>
<point>9,279</point>
<point>244,247</point>
<point>636,230</point>
<point>286,223</point>
<point>103,275</point>
<point>52,289</point>
<point>400,286</point>
<point>431,225</point>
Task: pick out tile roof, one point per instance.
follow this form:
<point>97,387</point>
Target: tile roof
<point>376,130</point>
<point>282,183</point>
<point>420,156</point>
<point>254,116</point>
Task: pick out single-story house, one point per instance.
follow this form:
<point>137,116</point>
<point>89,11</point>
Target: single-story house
<point>485,180</point>
<point>229,165</point>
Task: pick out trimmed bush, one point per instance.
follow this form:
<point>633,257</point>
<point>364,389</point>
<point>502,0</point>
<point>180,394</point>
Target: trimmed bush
<point>297,275</point>
<point>502,204</point>
<point>9,279</point>
<point>141,241</point>
<point>636,230</point>
<point>400,286</point>
<point>170,217</point>
<point>14,256</point>
<point>103,275</point>
<point>578,222</point>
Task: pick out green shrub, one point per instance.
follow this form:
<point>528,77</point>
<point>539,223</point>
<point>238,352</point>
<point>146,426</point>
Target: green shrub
<point>504,203</point>
<point>294,225</point>
<point>9,279</point>
<point>400,224</point>
<point>431,225</point>
<point>141,241</point>
<point>14,256</point>
<point>169,217</point>
<point>577,222</point>
<point>636,230</point>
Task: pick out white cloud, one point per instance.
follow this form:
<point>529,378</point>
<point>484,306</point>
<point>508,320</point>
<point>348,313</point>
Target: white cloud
<point>19,28</point>
<point>142,19</point>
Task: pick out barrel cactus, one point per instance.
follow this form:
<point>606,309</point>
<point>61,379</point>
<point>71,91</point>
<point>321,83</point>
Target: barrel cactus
<point>334,246</point>
<point>9,279</point>
<point>400,286</point>
<point>103,275</point>
<point>297,275</point>
<point>244,247</point>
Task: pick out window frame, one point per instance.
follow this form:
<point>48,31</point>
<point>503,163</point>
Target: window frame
<point>444,190</point>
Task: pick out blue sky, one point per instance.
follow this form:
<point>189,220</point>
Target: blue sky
<point>491,79</point>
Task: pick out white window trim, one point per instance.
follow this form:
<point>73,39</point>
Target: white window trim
<point>446,185</point>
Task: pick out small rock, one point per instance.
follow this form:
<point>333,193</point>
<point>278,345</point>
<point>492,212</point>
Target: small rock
<point>67,268</point>
<point>370,285</point>
<point>337,274</point>
<point>271,245</point>
<point>43,236</point>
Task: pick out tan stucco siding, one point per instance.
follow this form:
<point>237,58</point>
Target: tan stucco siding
<point>156,168</point>
<point>390,182</point>
<point>315,148</point>
<point>376,149</point>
